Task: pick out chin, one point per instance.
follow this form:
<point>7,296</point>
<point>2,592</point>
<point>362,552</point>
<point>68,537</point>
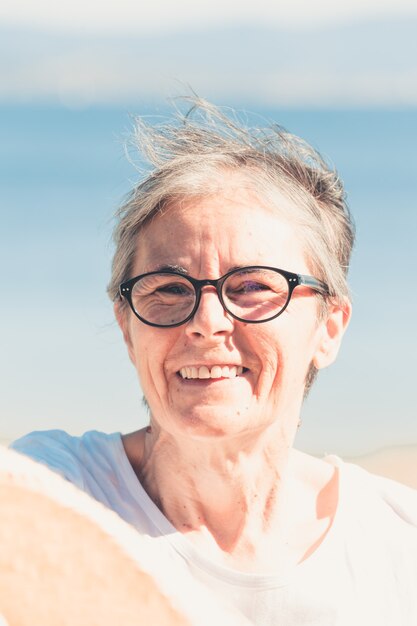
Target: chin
<point>213,422</point>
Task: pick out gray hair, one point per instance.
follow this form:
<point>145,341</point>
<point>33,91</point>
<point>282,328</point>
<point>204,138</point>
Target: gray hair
<point>190,155</point>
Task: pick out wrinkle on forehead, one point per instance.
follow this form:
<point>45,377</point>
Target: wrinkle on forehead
<point>211,235</point>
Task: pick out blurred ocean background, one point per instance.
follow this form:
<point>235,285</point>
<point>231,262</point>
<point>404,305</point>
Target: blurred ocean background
<point>67,102</point>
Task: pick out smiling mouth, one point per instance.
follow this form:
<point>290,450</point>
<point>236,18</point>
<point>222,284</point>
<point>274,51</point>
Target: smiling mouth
<point>216,371</point>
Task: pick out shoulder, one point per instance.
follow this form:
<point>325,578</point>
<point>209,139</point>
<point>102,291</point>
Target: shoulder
<point>65,454</point>
<point>378,524</point>
<point>371,489</point>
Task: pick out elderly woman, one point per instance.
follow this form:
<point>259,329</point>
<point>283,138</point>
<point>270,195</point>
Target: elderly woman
<point>229,286</point>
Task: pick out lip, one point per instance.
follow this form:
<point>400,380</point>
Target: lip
<point>206,382</point>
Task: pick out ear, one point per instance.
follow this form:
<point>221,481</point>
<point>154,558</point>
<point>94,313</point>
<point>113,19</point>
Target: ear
<point>122,315</point>
<point>333,328</point>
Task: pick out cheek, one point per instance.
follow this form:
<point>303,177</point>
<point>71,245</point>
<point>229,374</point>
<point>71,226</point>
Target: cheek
<point>152,348</point>
<point>144,348</point>
<point>265,353</point>
<point>284,354</point>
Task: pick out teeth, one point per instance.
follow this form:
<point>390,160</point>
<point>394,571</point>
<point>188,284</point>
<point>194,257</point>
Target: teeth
<point>226,371</point>
<point>216,371</point>
<point>204,372</point>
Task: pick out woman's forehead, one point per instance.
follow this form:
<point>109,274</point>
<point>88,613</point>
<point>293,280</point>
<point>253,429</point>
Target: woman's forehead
<point>235,204</point>
<point>222,231</point>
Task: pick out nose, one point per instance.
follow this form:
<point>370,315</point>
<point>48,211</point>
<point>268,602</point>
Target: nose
<point>210,319</point>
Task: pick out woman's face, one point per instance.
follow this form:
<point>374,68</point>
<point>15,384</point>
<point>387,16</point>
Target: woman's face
<point>208,237</point>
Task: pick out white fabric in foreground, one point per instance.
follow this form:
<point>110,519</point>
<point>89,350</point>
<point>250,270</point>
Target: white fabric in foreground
<point>365,571</point>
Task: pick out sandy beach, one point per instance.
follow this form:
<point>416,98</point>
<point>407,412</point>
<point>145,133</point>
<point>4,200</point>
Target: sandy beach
<point>398,463</point>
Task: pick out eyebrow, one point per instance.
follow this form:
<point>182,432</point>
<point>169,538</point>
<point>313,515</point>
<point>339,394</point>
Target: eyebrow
<point>244,267</point>
<point>181,270</point>
<point>171,268</point>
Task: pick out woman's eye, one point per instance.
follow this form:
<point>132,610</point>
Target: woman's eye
<point>250,286</point>
<point>174,289</point>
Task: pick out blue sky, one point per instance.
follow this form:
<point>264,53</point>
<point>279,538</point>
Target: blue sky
<point>124,16</point>
<point>289,54</point>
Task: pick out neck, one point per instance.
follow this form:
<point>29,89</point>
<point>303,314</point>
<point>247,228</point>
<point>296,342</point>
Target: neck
<point>231,490</point>
<point>250,504</point>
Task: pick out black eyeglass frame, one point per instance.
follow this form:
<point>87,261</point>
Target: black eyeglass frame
<point>293,280</point>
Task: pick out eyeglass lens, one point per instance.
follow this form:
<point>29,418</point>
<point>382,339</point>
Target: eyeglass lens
<point>252,295</point>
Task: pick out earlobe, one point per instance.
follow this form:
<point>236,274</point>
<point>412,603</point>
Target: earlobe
<point>122,317</point>
<point>333,328</point>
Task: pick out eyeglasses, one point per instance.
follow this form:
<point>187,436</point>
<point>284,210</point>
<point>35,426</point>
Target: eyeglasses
<point>253,294</point>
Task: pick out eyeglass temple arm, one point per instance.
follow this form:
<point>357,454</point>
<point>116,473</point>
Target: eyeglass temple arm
<point>310,281</point>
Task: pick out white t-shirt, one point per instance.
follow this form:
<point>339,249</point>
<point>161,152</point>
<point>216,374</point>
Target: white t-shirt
<point>363,574</point>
